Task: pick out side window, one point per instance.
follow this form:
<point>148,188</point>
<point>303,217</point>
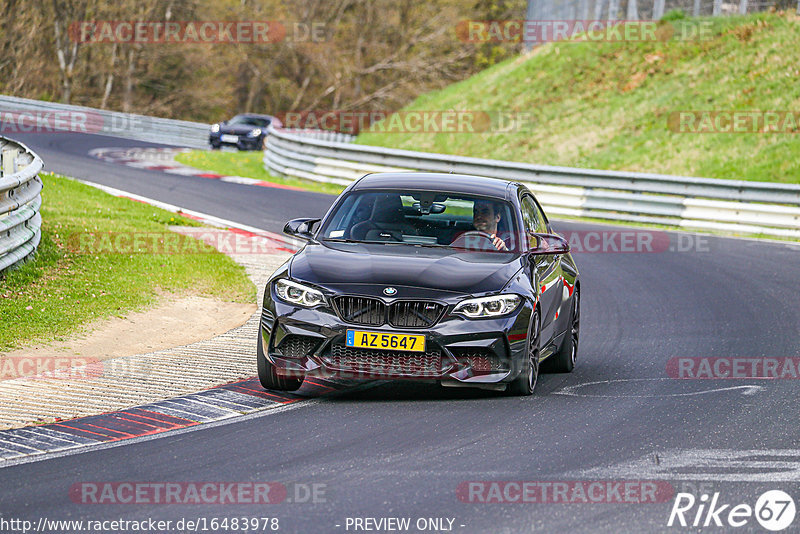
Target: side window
<point>530,215</point>
<point>337,227</point>
<point>533,218</point>
<point>541,220</point>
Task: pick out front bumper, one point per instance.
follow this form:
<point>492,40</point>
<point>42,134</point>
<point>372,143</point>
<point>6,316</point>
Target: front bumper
<point>243,142</point>
<point>459,351</point>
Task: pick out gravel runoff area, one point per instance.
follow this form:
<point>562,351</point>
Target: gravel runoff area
<point>118,383</point>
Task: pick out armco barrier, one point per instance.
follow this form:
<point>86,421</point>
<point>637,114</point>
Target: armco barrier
<point>24,115</point>
<point>20,200</point>
<point>698,203</point>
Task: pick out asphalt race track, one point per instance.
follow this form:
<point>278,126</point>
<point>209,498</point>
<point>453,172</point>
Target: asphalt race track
<point>406,449</point>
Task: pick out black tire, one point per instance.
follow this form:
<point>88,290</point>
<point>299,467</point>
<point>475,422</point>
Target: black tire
<point>269,378</point>
<point>215,146</point>
<point>525,383</point>
<point>564,360</point>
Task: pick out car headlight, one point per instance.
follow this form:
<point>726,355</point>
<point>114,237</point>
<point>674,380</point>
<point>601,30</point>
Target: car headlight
<point>255,133</point>
<point>215,128</point>
<point>494,306</point>
<point>298,294</point>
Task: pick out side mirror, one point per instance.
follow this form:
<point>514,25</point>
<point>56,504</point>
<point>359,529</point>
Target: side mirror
<point>300,228</point>
<point>547,244</point>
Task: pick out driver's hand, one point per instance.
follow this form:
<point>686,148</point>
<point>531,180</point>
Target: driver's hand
<point>498,243</point>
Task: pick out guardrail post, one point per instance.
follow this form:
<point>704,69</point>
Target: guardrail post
<point>10,161</point>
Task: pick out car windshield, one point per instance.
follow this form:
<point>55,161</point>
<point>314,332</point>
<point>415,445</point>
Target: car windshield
<point>428,218</point>
<point>248,121</point>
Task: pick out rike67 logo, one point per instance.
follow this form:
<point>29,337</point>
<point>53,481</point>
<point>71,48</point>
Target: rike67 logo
<point>774,510</point>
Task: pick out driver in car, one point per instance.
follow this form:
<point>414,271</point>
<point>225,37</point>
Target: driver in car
<point>485,217</point>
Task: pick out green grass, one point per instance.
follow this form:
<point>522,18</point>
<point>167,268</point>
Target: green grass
<point>606,105</point>
<point>61,289</point>
<point>250,165</point>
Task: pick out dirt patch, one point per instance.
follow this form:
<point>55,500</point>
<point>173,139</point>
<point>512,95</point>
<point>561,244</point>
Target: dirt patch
<point>175,321</point>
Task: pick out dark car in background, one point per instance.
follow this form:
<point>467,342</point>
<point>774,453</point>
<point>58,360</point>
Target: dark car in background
<point>246,132</point>
<point>446,278</point>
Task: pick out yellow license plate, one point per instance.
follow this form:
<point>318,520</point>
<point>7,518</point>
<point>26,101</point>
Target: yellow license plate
<point>380,340</point>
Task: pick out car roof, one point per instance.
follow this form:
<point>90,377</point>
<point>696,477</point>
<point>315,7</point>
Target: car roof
<point>435,181</point>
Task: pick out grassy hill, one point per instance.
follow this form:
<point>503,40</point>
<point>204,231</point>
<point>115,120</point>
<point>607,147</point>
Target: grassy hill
<point>607,105</point>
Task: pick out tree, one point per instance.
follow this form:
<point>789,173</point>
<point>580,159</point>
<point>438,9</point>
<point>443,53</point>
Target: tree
<point>66,46</point>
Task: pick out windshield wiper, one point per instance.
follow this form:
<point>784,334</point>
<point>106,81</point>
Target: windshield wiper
<point>383,242</point>
<point>426,245</point>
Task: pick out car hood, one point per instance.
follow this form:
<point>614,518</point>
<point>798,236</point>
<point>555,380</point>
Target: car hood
<point>354,266</point>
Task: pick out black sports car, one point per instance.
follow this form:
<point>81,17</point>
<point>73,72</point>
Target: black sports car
<point>245,132</point>
<point>440,277</point>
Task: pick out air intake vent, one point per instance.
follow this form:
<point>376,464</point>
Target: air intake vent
<point>384,363</point>
<point>294,346</point>
<point>479,359</point>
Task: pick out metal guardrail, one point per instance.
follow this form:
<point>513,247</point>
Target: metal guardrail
<point>20,200</point>
<point>25,115</point>
<point>698,203</point>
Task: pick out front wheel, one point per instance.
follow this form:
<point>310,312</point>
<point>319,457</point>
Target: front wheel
<point>564,360</point>
<point>267,374</point>
<point>525,383</point>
